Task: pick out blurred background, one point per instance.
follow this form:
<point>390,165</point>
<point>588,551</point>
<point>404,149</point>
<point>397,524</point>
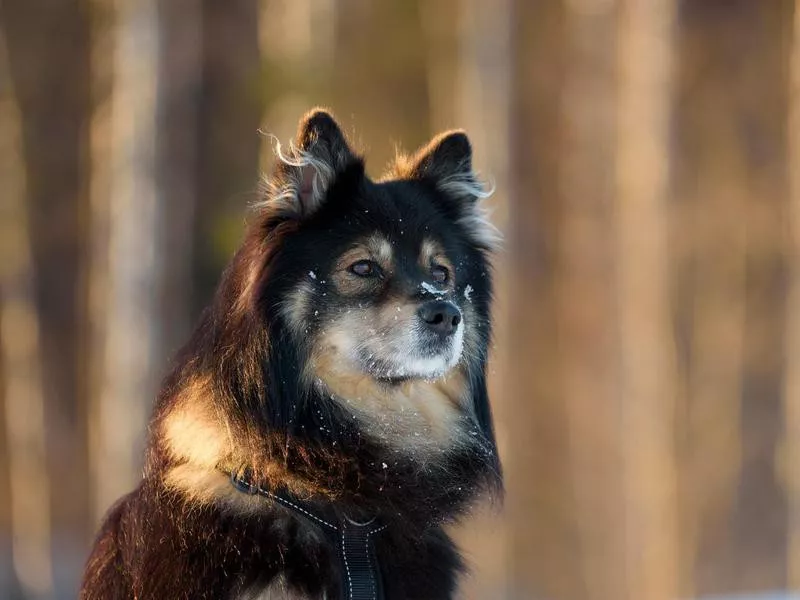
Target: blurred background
<point>646,154</point>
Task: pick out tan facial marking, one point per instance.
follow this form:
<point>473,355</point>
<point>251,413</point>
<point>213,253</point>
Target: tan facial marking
<point>351,256</point>
<point>416,416</point>
<point>375,248</point>
<point>429,250</point>
<point>432,253</point>
<point>381,250</point>
<point>297,306</point>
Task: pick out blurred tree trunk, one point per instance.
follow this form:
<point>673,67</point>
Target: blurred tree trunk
<point>101,150</point>
<point>594,517</point>
<point>648,376</point>
<point>133,327</point>
<point>24,406</point>
<point>145,165</point>
<point>25,527</point>
<point>10,172</point>
<point>729,136</point>
<point>229,113</point>
<point>49,59</point>
<point>790,448</point>
<point>177,165</point>
<point>587,344</point>
<point>539,508</point>
<point>446,33</point>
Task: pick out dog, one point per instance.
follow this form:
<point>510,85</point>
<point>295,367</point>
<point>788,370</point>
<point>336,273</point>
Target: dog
<point>329,415</point>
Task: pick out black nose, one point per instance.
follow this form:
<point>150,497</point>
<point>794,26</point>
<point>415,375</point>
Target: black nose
<point>442,317</point>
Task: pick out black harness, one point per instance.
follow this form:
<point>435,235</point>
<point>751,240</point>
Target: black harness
<point>361,576</point>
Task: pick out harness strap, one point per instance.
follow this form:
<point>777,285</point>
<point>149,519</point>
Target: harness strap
<point>361,577</point>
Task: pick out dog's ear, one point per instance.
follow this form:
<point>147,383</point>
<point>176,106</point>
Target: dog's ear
<point>309,167</point>
<point>447,156</point>
<point>446,162</point>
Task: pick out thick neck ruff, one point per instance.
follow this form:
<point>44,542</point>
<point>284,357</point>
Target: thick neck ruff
<point>359,562</point>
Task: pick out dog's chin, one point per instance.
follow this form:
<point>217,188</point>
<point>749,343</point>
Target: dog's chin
<point>394,372</point>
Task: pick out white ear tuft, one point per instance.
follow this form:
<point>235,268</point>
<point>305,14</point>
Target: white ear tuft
<point>308,168</point>
<point>306,179</point>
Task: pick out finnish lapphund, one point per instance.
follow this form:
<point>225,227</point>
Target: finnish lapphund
<point>329,415</point>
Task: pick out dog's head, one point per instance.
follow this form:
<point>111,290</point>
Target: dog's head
<point>385,279</point>
<point>375,292</point>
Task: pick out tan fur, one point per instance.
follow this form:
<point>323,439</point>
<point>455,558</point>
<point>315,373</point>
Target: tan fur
<point>381,250</point>
<point>192,430</point>
<point>395,313</point>
<point>206,486</point>
<point>347,283</point>
<point>202,443</point>
<point>375,248</point>
<point>297,305</point>
<point>415,416</point>
<point>248,287</point>
<point>432,253</point>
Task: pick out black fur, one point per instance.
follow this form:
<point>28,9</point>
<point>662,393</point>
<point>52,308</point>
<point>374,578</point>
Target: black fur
<point>159,543</point>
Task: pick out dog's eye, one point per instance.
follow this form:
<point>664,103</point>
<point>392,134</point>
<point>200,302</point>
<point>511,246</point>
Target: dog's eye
<point>440,274</point>
<point>364,268</point>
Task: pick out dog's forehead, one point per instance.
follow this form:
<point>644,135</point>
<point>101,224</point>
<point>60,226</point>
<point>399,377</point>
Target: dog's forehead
<point>402,212</point>
<point>405,196</point>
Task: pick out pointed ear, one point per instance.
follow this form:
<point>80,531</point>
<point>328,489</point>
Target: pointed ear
<point>309,167</point>
<point>447,155</point>
<point>446,162</point>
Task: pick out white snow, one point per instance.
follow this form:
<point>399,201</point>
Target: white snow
<point>468,292</point>
<point>312,274</point>
<point>431,289</point>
